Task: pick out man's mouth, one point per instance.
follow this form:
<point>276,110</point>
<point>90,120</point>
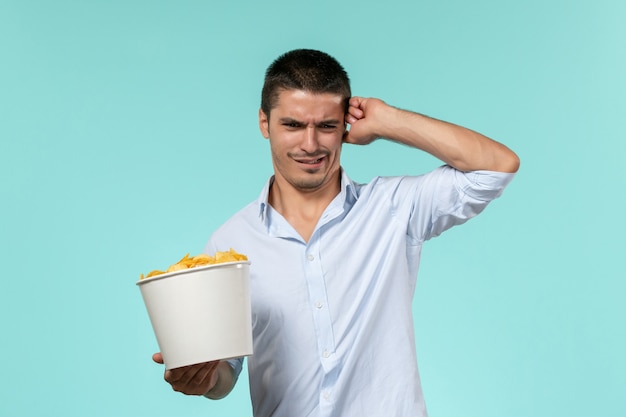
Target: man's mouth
<point>311,161</point>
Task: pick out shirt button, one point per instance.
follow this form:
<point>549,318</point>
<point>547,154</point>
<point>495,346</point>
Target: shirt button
<point>310,257</point>
<point>326,395</point>
<point>325,354</point>
<point>318,304</point>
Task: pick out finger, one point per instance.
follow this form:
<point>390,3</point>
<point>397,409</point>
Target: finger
<point>353,115</point>
<point>192,380</point>
<point>158,358</point>
<point>356,101</point>
<point>184,375</point>
<point>204,375</point>
<point>196,376</point>
<point>356,112</point>
<point>177,375</point>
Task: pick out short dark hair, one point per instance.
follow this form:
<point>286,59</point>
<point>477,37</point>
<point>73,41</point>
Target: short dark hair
<point>307,70</point>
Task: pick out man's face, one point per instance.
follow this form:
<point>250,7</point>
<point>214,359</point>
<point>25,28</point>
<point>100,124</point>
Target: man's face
<point>305,132</point>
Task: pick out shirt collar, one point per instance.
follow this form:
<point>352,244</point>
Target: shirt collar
<point>347,193</point>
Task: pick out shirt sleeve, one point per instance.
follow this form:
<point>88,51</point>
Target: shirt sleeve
<point>447,197</point>
<point>237,365</point>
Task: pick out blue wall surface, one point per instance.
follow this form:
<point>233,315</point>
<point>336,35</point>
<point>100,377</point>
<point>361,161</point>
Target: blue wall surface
<point>128,132</point>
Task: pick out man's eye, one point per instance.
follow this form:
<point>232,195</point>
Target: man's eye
<point>327,126</point>
<point>291,124</point>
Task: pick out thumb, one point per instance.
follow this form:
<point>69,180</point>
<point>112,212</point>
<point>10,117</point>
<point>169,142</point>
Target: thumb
<point>359,134</point>
<point>158,358</point>
<point>348,137</point>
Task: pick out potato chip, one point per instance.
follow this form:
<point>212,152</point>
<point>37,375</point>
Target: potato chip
<point>199,260</point>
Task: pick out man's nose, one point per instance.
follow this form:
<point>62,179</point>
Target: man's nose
<point>310,143</point>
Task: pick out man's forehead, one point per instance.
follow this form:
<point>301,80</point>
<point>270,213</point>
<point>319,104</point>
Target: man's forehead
<point>294,103</point>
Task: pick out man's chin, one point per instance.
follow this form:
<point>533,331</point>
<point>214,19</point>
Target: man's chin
<point>308,185</point>
<point>310,182</point>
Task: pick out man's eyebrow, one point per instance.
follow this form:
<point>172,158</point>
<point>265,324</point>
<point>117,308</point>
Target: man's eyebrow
<point>289,120</point>
<point>330,122</point>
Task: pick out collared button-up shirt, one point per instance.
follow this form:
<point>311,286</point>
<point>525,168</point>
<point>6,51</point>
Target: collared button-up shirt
<point>332,317</point>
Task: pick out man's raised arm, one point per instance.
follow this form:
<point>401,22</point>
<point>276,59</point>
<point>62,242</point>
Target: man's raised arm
<point>459,147</point>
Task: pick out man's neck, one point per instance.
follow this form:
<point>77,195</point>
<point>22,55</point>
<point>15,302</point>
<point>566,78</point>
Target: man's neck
<point>302,209</point>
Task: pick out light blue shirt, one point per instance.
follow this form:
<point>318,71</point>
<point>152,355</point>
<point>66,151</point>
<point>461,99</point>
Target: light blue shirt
<point>332,317</point>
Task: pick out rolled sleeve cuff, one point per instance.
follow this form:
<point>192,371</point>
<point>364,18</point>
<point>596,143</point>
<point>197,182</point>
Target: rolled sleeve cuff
<point>485,185</point>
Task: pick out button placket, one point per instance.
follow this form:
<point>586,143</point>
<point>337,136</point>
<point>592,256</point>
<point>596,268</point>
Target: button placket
<point>321,314</point>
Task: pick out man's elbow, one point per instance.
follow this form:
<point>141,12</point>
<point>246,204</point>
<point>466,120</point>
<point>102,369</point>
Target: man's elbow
<point>509,164</point>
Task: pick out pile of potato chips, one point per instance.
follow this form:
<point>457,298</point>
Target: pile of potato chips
<point>200,260</point>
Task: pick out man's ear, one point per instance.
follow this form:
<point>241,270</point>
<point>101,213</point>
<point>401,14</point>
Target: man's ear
<point>264,124</point>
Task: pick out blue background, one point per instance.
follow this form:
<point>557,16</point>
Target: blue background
<point>128,132</point>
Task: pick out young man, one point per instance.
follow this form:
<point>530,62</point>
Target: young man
<point>334,263</point>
